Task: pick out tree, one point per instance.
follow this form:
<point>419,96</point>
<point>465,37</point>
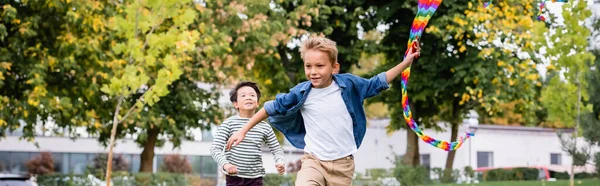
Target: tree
<point>231,40</point>
<point>47,74</point>
<point>41,165</point>
<point>143,60</point>
<point>566,49</point>
<point>492,73</point>
<point>472,70</point>
<point>173,118</point>
<point>590,121</point>
<point>229,46</point>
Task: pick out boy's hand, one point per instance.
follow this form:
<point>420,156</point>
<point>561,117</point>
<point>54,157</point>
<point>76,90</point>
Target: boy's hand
<point>413,52</point>
<point>280,168</point>
<point>235,139</point>
<point>230,169</point>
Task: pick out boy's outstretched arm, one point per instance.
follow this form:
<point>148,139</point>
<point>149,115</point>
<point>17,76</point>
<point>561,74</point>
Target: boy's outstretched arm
<point>238,136</point>
<point>413,52</point>
<point>276,150</point>
<point>217,146</point>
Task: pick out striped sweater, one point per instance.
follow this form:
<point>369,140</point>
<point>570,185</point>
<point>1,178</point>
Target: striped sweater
<point>247,155</point>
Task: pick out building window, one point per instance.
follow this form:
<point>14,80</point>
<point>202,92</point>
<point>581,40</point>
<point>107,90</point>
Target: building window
<point>4,161</point>
<point>426,160</point>
<point>135,163</point>
<point>18,162</point>
<point>207,135</point>
<point>78,163</point>
<point>485,159</point>
<point>555,159</point>
<point>209,167</point>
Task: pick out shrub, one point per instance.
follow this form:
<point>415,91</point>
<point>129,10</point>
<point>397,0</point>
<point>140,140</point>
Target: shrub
<point>98,167</point>
<point>126,179</point>
<point>41,165</point>
<point>408,175</point>
<point>176,163</point>
<point>502,174</point>
<point>279,180</point>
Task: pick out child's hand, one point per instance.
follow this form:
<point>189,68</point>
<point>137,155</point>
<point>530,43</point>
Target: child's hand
<point>235,139</point>
<point>230,169</point>
<point>413,52</point>
<point>280,168</point>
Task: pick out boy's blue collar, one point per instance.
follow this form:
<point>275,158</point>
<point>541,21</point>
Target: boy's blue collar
<point>308,85</point>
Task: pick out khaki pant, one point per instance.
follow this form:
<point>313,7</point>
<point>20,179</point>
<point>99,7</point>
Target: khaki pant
<point>315,172</point>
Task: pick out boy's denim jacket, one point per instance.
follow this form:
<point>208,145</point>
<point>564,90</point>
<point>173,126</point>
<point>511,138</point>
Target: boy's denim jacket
<point>284,111</point>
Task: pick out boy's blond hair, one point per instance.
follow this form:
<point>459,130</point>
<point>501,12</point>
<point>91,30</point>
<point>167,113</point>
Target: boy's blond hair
<point>320,44</point>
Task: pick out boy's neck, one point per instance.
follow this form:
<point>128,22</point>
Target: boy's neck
<point>246,113</point>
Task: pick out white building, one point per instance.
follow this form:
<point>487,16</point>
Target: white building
<point>492,146</point>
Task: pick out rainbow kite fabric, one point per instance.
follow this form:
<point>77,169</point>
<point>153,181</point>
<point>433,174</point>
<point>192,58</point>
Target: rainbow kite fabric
<point>540,17</point>
<point>487,4</point>
<point>426,10</point>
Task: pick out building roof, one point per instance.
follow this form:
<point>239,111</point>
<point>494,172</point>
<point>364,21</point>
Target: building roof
<point>382,123</point>
<point>519,128</point>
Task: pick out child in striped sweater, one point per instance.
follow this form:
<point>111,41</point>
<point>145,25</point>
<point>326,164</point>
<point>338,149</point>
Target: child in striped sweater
<point>243,163</point>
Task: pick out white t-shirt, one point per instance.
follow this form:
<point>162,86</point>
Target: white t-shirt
<point>329,130</point>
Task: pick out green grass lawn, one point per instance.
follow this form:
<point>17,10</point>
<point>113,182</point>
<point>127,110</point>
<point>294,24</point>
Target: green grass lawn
<point>585,182</point>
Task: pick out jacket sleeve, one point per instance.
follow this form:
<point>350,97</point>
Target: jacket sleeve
<point>283,102</point>
<point>371,87</point>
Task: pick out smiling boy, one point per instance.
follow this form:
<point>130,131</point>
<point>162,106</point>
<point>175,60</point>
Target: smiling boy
<point>324,115</point>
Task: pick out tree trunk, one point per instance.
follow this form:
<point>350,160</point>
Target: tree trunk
<point>147,156</point>
<point>574,135</point>
<point>411,156</point>
<point>450,159</point>
<point>113,133</point>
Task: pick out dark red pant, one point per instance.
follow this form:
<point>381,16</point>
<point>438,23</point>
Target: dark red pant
<point>237,181</point>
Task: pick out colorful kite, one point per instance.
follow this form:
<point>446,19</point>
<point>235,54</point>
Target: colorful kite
<point>426,10</point>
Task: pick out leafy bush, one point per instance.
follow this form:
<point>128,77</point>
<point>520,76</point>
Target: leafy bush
<point>98,166</point>
<point>66,180</point>
<point>408,175</point>
<point>41,165</point>
<point>510,174</point>
<point>560,175</point>
<point>526,173</point>
<point>176,163</point>
<point>125,179</point>
<point>279,180</point>
<point>378,173</point>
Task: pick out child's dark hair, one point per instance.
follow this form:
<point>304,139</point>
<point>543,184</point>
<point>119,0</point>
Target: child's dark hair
<point>253,85</point>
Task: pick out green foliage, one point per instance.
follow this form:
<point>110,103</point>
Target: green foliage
<point>591,121</point>
<point>98,168</point>
<point>46,70</point>
<point>378,173</point>
<point>408,175</point>
<point>510,174</point>
<point>469,172</point>
<point>597,163</point>
<point>569,55</point>
<point>560,99</point>
<point>123,179</point>
<point>278,180</point>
